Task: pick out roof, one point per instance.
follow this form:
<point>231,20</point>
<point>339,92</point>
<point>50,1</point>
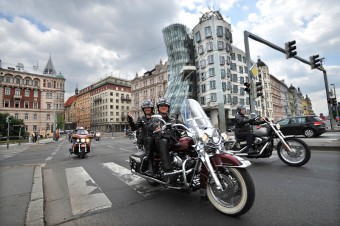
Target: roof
<point>70,101</point>
<point>49,68</point>
<point>260,63</point>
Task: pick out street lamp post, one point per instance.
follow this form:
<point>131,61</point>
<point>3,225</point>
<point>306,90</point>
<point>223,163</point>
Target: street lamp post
<point>336,106</point>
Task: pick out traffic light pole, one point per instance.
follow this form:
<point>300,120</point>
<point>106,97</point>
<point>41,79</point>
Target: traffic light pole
<point>247,35</point>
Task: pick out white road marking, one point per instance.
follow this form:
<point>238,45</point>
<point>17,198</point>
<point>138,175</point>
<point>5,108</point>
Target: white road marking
<point>136,182</point>
<point>85,194</point>
<point>48,158</point>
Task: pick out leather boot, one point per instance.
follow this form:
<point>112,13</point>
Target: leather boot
<point>150,172</point>
<point>252,151</point>
<point>164,151</point>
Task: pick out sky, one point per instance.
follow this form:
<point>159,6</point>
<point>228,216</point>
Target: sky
<point>89,40</point>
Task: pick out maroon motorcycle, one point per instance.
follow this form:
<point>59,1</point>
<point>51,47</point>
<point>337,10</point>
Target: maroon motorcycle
<point>81,143</point>
<point>200,162</point>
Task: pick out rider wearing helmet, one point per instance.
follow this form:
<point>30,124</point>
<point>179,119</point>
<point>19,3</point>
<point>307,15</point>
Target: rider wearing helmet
<point>242,128</point>
<point>144,132</point>
<point>164,140</point>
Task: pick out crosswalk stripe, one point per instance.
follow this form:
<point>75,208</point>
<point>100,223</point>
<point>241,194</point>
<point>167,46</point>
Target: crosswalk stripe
<point>138,183</point>
<point>85,194</point>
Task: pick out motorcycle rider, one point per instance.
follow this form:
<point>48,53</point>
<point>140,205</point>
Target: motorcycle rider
<point>164,140</point>
<point>145,135</point>
<point>242,128</point>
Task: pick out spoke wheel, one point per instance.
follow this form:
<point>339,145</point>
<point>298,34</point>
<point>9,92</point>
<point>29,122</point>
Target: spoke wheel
<point>299,155</point>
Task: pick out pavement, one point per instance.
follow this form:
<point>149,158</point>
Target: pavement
<point>29,180</point>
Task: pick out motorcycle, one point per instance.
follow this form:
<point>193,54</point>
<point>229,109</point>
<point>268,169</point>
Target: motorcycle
<point>291,150</point>
<point>81,143</point>
<point>200,162</point>
<point>132,135</point>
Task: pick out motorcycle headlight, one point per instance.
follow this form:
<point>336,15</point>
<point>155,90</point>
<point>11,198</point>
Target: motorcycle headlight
<point>225,136</point>
<point>82,140</point>
<point>78,140</point>
<point>205,138</point>
<point>278,126</point>
<point>215,136</point>
<point>88,140</point>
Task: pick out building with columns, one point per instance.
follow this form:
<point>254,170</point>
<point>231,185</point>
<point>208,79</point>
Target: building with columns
<point>36,97</point>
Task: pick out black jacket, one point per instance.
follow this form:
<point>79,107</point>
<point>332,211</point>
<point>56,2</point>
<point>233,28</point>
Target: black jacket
<point>242,123</point>
<point>143,124</point>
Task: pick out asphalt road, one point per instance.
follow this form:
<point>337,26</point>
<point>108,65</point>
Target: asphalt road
<point>99,190</point>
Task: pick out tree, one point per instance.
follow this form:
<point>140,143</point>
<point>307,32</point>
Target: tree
<point>60,121</point>
<point>14,125</point>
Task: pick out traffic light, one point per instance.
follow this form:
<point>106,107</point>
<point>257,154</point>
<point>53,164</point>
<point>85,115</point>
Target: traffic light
<point>259,89</point>
<point>290,47</point>
<point>314,61</point>
<point>334,102</point>
<point>247,85</point>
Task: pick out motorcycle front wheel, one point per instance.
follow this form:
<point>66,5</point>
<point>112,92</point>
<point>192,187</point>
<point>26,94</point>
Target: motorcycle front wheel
<point>237,195</point>
<point>299,155</point>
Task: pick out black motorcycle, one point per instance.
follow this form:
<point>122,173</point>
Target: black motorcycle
<point>291,150</point>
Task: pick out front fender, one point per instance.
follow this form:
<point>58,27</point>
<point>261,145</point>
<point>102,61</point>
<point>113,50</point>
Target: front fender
<point>228,160</point>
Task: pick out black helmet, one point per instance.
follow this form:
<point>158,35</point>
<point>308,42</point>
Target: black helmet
<point>147,104</point>
<point>163,101</point>
<point>239,108</point>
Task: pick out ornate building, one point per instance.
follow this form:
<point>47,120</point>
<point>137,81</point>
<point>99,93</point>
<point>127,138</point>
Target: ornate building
<point>36,97</point>
<point>151,85</point>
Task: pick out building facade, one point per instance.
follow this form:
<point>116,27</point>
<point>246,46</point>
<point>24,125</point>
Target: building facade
<point>36,97</point>
<point>152,85</point>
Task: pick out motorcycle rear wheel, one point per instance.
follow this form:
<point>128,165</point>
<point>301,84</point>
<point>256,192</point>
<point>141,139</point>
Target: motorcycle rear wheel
<point>299,157</point>
<point>238,193</point>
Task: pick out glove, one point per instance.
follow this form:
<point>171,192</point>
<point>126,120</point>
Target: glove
<point>130,117</point>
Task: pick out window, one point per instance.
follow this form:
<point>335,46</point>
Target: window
<point>235,88</point>
<point>228,60</point>
<point>27,82</point>
<point>227,33</point>
<point>27,92</point>
<point>242,80</point>
<point>210,59</point>
<point>49,84</point>
<point>240,69</point>
<point>232,56</point>
<point>213,97</point>
<point>7,91</point>
<point>242,101</point>
<point>211,72</point>
<point>16,104</point>
<point>35,105</point>
<point>202,63</point>
<point>212,84</point>
<point>229,98</point>
<point>224,86</point>
<point>222,73</point>
<point>35,116</point>
<point>6,104</point>
<point>26,104</point>
<point>233,66</point>
<point>222,60</point>
<point>200,50</point>
<point>48,117</point>
<point>8,79</point>
<point>16,116</point>
<point>17,92</point>
<point>207,31</point>
<point>234,79</point>
<point>203,88</point>
<point>17,80</point>
<point>239,57</point>
<point>242,91</point>
<point>35,93</point>
<point>235,100</point>
<point>26,116</point>
<point>220,45</point>
<point>202,100</point>
<point>244,59</point>
<point>210,46</point>
<point>203,76</point>
<point>198,37</point>
<point>48,105</point>
<point>219,31</point>
<point>228,48</point>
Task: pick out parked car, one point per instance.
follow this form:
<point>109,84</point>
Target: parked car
<point>309,126</point>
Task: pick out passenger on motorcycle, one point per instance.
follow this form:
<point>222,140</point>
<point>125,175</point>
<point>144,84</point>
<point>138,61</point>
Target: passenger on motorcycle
<point>165,141</point>
<point>242,128</point>
<point>146,133</point>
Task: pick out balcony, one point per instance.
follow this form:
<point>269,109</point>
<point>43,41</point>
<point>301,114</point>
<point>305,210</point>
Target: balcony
<point>17,97</point>
<point>97,99</point>
<point>125,99</point>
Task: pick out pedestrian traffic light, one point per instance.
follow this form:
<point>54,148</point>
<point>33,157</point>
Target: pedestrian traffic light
<point>314,61</point>
<point>290,47</point>
<point>247,87</point>
<point>334,102</point>
<point>259,89</point>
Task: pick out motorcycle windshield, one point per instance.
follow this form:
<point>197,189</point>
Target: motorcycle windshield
<point>194,116</point>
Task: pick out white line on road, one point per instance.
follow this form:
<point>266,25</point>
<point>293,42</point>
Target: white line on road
<point>48,158</point>
<point>85,194</point>
<point>136,182</point>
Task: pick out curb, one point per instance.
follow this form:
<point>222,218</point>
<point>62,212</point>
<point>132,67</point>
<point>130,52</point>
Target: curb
<point>35,211</point>
<point>325,148</point>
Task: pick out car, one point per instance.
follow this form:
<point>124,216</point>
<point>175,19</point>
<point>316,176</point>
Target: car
<point>309,126</point>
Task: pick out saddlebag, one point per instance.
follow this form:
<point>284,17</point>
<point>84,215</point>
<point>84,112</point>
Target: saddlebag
<point>137,162</point>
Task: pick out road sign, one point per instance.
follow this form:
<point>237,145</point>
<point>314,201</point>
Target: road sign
<point>254,70</point>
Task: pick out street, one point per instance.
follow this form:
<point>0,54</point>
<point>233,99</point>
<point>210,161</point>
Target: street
<point>100,189</point>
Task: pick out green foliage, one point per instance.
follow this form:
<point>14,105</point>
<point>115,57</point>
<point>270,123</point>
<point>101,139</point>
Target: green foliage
<point>60,121</point>
<point>14,126</point>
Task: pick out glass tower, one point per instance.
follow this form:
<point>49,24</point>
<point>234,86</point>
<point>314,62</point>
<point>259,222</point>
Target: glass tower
<point>180,51</point>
